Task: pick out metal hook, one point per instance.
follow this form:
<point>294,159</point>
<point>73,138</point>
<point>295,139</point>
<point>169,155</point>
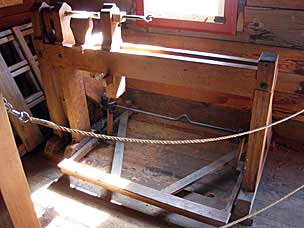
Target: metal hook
<point>146,18</point>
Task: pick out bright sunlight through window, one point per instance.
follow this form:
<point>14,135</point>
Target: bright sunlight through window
<point>192,10</point>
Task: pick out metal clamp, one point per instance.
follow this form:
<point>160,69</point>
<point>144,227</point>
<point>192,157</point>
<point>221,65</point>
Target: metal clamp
<point>96,15</point>
<point>22,116</point>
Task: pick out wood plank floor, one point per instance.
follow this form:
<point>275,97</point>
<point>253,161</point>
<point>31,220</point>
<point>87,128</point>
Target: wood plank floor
<point>58,205</point>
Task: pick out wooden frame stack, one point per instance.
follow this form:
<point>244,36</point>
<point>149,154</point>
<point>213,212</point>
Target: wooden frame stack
<point>29,135</point>
<point>119,61</point>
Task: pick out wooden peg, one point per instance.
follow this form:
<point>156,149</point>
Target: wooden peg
<point>111,29</point>
<point>65,21</point>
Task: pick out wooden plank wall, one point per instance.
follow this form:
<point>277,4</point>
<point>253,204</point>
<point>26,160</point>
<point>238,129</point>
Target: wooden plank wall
<point>15,12</point>
<point>263,25</point>
<point>6,3</point>
<point>15,15</point>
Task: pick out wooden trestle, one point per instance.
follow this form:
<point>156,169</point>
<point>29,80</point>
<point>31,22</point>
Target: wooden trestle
<point>65,65</point>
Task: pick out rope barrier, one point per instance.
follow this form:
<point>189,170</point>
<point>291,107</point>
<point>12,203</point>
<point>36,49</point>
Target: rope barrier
<point>55,126</point>
<point>179,142</point>
<point>26,118</point>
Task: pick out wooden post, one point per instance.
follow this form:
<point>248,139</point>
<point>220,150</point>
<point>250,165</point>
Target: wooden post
<point>52,94</point>
<point>110,120</point>
<point>257,142</point>
<point>115,86</point>
<point>111,29</point>
<point>54,98</point>
<point>75,101</point>
<point>261,116</point>
<point>13,184</point>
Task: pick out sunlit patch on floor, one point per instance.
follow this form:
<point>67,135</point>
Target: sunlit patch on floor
<point>56,210</point>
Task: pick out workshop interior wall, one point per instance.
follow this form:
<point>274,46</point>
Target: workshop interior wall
<point>15,14</point>
<point>263,26</point>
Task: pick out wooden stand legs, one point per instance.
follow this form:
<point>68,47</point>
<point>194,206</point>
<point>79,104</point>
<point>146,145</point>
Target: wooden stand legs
<point>13,184</point>
<point>66,98</point>
<point>75,101</point>
<point>257,142</point>
<point>50,76</point>
<point>115,87</point>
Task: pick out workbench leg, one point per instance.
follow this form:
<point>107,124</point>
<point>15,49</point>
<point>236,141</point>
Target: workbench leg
<point>115,87</point>
<point>13,183</point>
<point>261,116</point>
<point>52,92</point>
<point>257,141</point>
<point>75,101</point>
<point>110,120</point>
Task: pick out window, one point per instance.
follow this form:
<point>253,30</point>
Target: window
<point>216,16</point>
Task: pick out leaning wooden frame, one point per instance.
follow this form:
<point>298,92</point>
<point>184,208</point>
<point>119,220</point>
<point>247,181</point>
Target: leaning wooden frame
<point>64,62</point>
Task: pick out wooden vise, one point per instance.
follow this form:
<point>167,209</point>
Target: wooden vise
<point>65,59</point>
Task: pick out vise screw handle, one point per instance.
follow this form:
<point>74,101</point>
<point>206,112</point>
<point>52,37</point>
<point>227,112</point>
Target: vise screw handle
<point>146,18</point>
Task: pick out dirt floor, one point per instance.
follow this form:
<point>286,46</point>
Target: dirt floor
<point>58,205</point>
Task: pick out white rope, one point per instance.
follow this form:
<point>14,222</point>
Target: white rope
<point>263,209</point>
<point>55,126</point>
<point>25,118</point>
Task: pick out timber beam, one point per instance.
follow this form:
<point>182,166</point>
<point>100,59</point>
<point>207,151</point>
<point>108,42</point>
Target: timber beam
<point>125,187</point>
<point>196,72</point>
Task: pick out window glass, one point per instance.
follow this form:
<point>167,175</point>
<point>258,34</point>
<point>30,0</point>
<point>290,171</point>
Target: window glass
<point>191,10</point>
